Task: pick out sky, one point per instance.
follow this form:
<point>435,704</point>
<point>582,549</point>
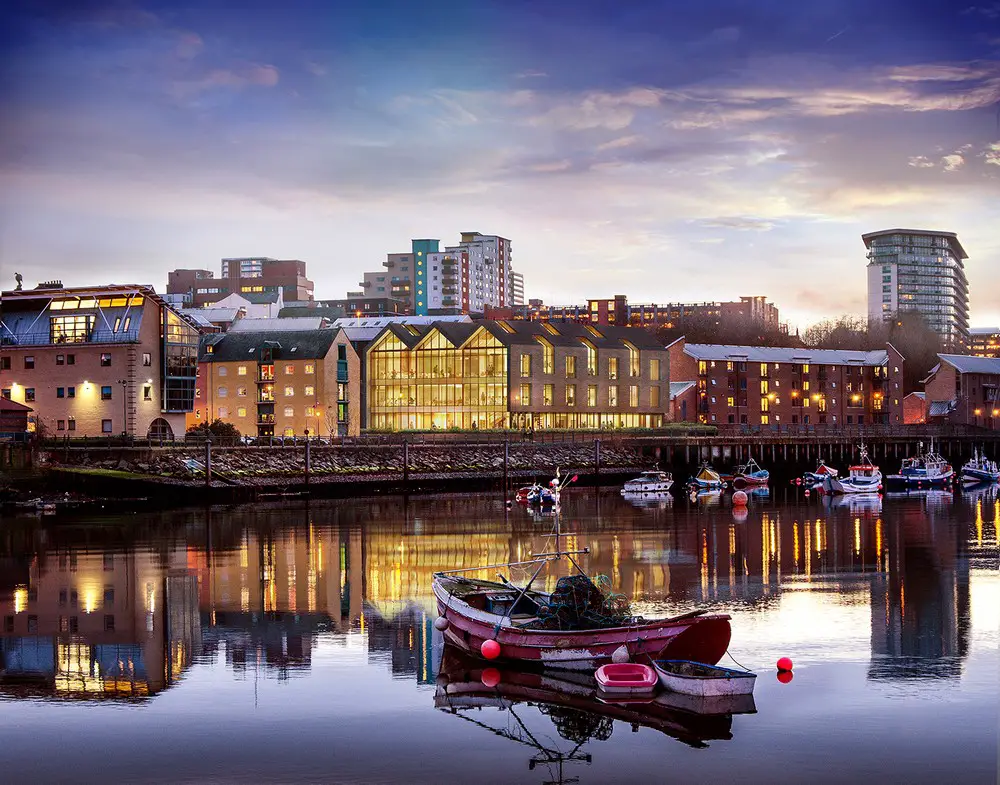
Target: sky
<point>669,151</point>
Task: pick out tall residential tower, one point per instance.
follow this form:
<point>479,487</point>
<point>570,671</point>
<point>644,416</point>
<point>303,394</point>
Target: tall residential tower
<point>922,271</point>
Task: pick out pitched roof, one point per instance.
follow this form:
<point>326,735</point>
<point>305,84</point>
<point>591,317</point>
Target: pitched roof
<point>281,324</point>
<point>921,395</point>
<point>291,345</point>
<point>7,405</point>
<point>941,408</point>
<point>779,354</point>
<point>260,298</point>
<point>965,363</point>
<point>679,388</point>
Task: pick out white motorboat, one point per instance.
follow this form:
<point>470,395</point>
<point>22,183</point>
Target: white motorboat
<point>926,469</point>
<point>863,477</point>
<point>649,482</point>
<point>698,678</point>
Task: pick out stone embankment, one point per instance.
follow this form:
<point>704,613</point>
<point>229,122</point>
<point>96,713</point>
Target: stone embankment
<point>253,465</point>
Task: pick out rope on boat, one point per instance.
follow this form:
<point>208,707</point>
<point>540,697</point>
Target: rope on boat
<point>737,661</point>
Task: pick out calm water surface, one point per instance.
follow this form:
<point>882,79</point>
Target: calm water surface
<point>295,643</point>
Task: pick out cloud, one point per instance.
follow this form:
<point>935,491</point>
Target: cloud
<point>316,69</point>
<point>991,154</point>
<point>189,45</point>
<point>741,223</point>
<point>530,73</point>
<point>620,142</point>
<point>252,75</point>
<point>921,162</point>
<point>952,162</point>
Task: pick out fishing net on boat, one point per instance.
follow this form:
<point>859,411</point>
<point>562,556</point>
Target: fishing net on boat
<point>579,603</point>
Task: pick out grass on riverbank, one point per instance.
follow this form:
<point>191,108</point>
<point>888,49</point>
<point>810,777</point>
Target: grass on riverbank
<point>115,473</point>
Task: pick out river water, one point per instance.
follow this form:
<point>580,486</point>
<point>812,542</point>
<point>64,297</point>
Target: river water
<point>295,643</point>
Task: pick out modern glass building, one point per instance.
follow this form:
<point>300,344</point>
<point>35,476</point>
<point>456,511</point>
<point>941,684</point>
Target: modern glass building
<point>491,375</point>
<point>922,271</point>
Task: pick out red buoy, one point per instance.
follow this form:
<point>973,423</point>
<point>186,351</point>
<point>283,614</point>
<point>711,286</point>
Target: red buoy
<point>491,649</point>
<point>784,676</point>
<point>784,664</point>
<point>490,677</point>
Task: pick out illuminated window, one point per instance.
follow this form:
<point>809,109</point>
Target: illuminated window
<point>548,355</point>
<point>309,368</point>
<point>591,357</point>
<point>241,392</point>
<point>612,368</point>
<point>289,370</point>
<point>308,391</point>
<point>71,329</point>
<point>241,411</point>
<point>730,401</point>
<point>289,392</point>
<point>613,395</point>
<point>571,395</point>
<point>764,404</point>
<point>289,432</point>
<point>241,370</point>
<point>525,395</point>
<point>634,363</point>
<point>764,389</point>
<point>289,411</point>
<point>633,395</point>
<point>765,419</point>
<point>147,359</point>
<point>548,391</point>
<point>591,395</point>
<point>147,392</point>
<point>570,366</point>
<point>654,370</point>
<point>654,397</point>
<point>525,366</point>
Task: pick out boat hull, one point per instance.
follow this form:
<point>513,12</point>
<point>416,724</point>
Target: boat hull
<point>646,487</point>
<point>701,637</point>
<point>920,481</point>
<point>722,681</point>
<point>979,475</point>
<point>849,486</point>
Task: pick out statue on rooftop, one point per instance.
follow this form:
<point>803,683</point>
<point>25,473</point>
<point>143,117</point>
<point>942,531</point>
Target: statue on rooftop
<point>17,277</point>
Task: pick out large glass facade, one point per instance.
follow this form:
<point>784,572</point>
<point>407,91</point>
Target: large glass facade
<point>436,385</point>
<point>180,363</point>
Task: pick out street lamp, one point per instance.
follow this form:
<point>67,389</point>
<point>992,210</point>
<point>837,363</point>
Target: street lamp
<point>124,384</point>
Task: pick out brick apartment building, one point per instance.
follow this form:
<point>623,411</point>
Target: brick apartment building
<point>249,275</point>
<point>756,386</point>
<point>964,390</point>
<point>98,361</point>
<point>280,383</point>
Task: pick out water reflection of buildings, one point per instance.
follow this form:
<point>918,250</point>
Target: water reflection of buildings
<point>259,592</point>
<point>95,625</point>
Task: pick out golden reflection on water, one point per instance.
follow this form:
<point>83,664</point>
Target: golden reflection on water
<point>266,583</point>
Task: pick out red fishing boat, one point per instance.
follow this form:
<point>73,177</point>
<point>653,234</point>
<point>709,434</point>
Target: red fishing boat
<point>577,626</point>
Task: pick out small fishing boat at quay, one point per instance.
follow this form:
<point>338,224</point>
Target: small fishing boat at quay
<point>707,477</point>
<point>649,482</point>
<point>925,470</point>
<point>821,473</point>
<point>577,626</point>
<point>863,477</point>
<point>750,475</point>
<point>980,469</point>
<point>703,680</point>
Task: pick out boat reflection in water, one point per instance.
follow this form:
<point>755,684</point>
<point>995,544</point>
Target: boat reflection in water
<point>649,500</point>
<point>575,707</point>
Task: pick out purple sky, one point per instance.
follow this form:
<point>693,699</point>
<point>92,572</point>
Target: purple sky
<point>667,151</point>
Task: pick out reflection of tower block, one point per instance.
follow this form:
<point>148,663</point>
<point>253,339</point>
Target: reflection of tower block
<point>183,620</point>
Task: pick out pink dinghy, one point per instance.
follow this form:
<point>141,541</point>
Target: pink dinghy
<point>627,678</point>
<point>519,620</point>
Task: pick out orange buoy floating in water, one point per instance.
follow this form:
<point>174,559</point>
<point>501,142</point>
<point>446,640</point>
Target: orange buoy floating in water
<point>490,677</point>
<point>785,664</point>
<point>740,499</point>
<point>491,649</point>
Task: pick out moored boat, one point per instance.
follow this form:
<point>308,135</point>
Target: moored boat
<point>863,477</point>
<point>649,482</point>
<point>707,477</point>
<point>822,472</point>
<point>925,470</point>
<point>626,678</point>
<point>703,680</point>
<point>750,475</point>
<point>980,469</point>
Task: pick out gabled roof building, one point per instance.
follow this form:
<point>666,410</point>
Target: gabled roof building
<point>488,375</point>
<point>964,389</point>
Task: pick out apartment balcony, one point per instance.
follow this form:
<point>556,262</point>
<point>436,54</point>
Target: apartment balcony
<point>265,419</point>
<point>45,338</point>
<point>389,264</point>
<point>342,370</point>
<point>449,290</point>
